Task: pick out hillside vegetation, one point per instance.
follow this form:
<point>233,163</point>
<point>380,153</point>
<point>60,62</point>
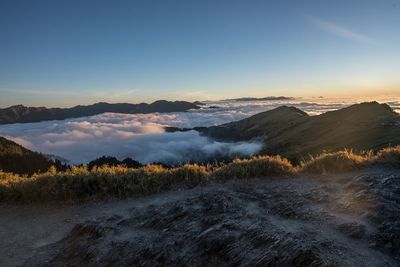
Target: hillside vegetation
<point>290,132</point>
<point>80,183</point>
<point>17,159</point>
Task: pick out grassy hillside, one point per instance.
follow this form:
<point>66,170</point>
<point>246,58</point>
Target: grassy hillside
<point>265,124</point>
<point>17,159</point>
<point>361,127</point>
<point>8,147</point>
<point>290,132</point>
<point>80,183</point>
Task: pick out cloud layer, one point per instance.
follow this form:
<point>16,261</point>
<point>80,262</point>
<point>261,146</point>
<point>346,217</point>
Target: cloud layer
<point>84,139</point>
<point>142,137</point>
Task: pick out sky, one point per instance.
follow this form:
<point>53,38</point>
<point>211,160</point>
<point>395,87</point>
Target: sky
<point>64,53</point>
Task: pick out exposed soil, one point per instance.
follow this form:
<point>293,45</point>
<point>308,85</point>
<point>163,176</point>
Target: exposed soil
<point>334,220</point>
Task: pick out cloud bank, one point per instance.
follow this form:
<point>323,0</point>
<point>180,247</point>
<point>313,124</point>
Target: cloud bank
<point>142,136</point>
<point>82,140</point>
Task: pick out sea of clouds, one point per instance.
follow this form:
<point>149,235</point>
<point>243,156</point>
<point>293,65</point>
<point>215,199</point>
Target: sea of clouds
<point>142,136</point>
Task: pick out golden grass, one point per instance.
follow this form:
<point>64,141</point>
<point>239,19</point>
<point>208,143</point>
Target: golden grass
<point>335,162</point>
<point>388,156</point>
<point>256,167</point>
<point>80,183</point>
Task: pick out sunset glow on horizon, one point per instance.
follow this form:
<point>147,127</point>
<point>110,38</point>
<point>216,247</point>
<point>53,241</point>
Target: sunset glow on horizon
<point>67,53</point>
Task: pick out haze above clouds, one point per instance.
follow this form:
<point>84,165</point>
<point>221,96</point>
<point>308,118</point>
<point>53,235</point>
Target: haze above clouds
<point>142,136</point>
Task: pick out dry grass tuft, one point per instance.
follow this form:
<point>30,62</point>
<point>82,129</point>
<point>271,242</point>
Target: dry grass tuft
<point>80,183</point>
<point>256,167</point>
<point>336,162</point>
<point>389,156</point>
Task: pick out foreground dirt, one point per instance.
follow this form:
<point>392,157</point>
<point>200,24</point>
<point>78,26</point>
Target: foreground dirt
<point>334,220</point>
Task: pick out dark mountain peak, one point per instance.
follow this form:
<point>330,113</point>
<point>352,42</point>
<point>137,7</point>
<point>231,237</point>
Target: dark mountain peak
<point>17,159</point>
<point>268,98</point>
<point>22,108</point>
<point>171,106</point>
<point>289,131</point>
<point>16,108</point>
<point>8,147</point>
<point>282,113</point>
<point>262,124</point>
<point>161,102</point>
<point>101,104</point>
<point>289,109</point>
<point>367,111</point>
<point>374,107</point>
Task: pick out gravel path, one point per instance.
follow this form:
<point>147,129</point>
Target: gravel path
<point>334,220</point>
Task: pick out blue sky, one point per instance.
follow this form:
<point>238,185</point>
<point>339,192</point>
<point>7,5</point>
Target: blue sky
<point>61,53</point>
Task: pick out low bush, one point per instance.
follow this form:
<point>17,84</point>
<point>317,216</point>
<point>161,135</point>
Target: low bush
<point>388,156</point>
<point>263,166</point>
<point>336,162</point>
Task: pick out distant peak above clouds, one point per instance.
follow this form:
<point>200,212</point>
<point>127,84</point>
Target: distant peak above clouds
<point>23,114</point>
<point>268,98</point>
<point>290,132</point>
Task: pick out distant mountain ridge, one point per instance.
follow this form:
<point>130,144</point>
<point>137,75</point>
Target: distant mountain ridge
<point>23,114</point>
<point>290,132</point>
<point>268,98</point>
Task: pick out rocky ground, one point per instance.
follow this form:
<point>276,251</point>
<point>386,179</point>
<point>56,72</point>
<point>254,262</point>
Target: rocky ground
<point>334,220</point>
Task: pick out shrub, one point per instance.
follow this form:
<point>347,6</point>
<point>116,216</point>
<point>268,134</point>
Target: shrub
<point>263,166</point>
<point>388,156</point>
<point>112,161</point>
<point>192,174</point>
<point>336,162</point>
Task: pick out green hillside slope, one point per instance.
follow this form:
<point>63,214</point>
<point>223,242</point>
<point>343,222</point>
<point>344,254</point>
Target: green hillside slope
<point>17,159</point>
<point>290,132</point>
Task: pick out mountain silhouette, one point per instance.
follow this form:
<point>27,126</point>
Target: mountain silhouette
<point>18,159</point>
<point>23,114</point>
<point>290,132</point>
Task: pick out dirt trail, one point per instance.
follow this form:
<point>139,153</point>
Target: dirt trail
<point>335,220</point>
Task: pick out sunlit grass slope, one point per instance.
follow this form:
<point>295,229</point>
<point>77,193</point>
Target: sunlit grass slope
<point>103,182</point>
